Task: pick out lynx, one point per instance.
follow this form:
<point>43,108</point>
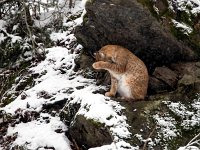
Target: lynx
<point>129,75</point>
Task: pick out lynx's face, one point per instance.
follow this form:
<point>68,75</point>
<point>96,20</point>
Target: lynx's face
<point>104,55</point>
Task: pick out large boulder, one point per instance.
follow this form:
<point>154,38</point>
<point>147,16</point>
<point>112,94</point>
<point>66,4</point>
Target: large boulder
<point>129,24</point>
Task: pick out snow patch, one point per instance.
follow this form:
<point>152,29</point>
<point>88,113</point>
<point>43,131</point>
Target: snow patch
<point>183,27</point>
<point>188,6</point>
<point>40,133</point>
<point>166,126</point>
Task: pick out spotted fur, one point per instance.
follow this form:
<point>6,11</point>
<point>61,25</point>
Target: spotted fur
<point>129,75</point>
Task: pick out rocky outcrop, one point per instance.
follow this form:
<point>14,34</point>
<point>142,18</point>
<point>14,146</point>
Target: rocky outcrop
<point>85,132</point>
<point>148,121</point>
<point>129,24</point>
<point>89,132</point>
<point>179,76</point>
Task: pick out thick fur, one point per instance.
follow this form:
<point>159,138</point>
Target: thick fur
<point>129,75</point>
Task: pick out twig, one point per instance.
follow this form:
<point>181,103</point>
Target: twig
<point>192,141</point>
<point>75,144</point>
<point>145,144</point>
<point>29,30</point>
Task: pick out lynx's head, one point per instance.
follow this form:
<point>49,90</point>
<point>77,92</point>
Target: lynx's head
<point>105,54</point>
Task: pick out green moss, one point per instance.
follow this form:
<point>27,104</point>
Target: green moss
<point>184,17</point>
<point>8,99</point>
<point>96,123</point>
<point>89,2</point>
<point>178,33</point>
<point>85,18</point>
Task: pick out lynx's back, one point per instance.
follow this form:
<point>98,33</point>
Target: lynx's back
<point>130,72</point>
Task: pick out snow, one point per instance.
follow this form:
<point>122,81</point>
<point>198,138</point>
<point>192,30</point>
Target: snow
<point>2,24</point>
<point>188,6</point>
<point>92,106</point>
<point>190,114</point>
<point>166,126</point>
<point>62,10</point>
<point>116,146</point>
<point>14,38</point>
<point>189,148</point>
<point>55,83</point>
<point>183,27</point>
<point>39,133</point>
<point>2,38</point>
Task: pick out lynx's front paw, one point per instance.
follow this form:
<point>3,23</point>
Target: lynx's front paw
<point>97,65</point>
<point>109,94</point>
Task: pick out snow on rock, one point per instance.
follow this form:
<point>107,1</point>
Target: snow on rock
<point>166,126</point>
<point>188,6</point>
<point>190,114</point>
<point>92,106</point>
<point>41,133</point>
<point>183,27</point>
<point>189,118</point>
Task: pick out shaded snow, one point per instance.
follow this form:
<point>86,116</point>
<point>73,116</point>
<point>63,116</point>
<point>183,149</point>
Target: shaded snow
<point>39,133</point>
<point>183,27</point>
<point>5,34</point>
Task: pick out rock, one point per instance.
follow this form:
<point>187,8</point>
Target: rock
<point>141,120</point>
<point>89,133</point>
<point>166,75</point>
<point>84,63</point>
<point>186,80</point>
<point>129,24</point>
<point>190,75</point>
<point>157,86</point>
<point>44,94</point>
<point>186,67</point>
<point>85,132</point>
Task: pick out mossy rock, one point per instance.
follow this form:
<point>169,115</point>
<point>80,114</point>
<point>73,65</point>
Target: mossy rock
<point>84,130</point>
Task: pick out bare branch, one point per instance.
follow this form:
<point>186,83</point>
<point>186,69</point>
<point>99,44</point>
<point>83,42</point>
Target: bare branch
<point>29,29</point>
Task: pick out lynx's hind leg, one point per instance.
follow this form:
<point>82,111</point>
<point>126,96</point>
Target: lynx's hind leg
<point>113,89</point>
<point>138,89</point>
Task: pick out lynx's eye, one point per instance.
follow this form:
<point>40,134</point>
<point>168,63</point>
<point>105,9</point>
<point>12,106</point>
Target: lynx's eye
<point>109,59</point>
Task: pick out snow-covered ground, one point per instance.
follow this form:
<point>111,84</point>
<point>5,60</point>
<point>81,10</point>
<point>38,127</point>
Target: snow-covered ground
<point>41,133</point>
<point>37,132</point>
